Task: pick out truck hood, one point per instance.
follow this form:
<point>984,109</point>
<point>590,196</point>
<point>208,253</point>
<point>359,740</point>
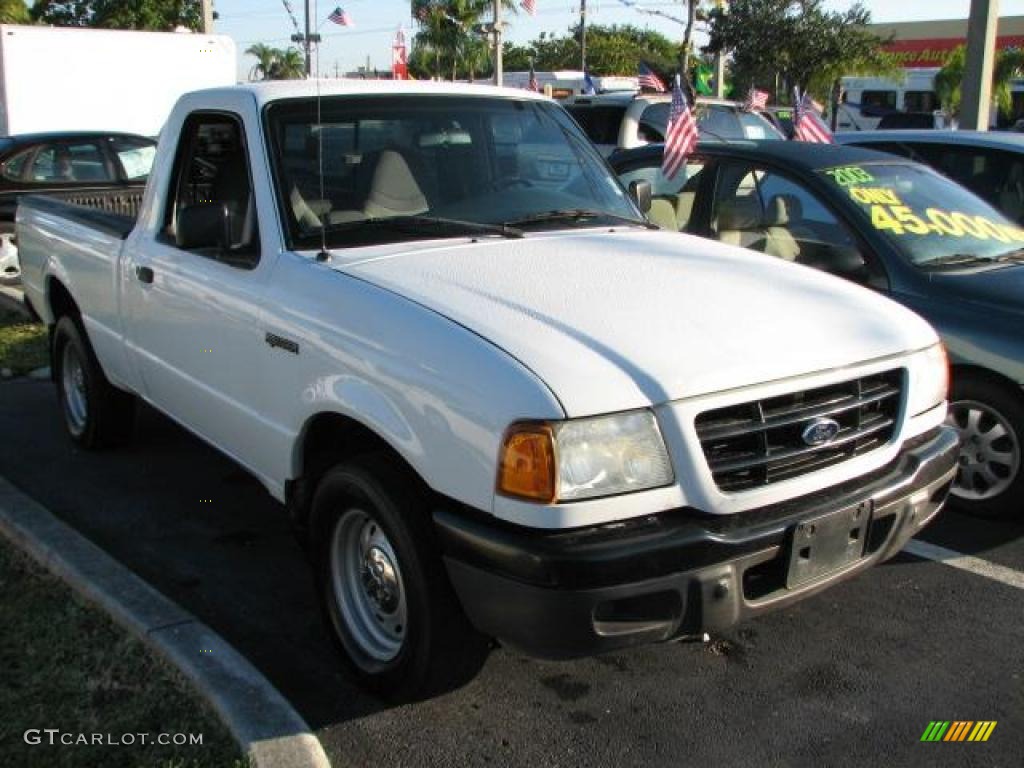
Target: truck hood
<point>631,318</point>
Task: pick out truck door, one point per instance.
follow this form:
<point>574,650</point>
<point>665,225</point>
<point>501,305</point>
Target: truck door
<point>193,285</point>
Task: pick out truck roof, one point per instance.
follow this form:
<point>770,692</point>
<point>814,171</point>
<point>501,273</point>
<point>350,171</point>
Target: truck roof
<point>266,92</point>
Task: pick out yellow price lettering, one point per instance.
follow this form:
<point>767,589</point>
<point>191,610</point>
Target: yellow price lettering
<point>882,220</point>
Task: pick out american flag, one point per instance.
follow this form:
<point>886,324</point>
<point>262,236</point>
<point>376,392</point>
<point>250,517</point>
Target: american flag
<point>339,17</point>
<point>647,79</point>
<point>756,100</point>
<point>680,136</point>
<point>807,125</point>
<point>530,6</point>
<point>533,85</point>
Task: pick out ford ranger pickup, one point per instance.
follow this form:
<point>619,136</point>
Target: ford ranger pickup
<point>493,400</point>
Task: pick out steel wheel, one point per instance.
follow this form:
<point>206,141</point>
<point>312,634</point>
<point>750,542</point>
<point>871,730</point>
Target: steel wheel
<point>368,587</point>
<point>73,390</point>
<point>989,454</point>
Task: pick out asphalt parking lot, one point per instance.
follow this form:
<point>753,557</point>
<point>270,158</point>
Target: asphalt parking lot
<point>850,677</point>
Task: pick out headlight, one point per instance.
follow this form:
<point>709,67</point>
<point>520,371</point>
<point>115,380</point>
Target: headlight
<point>584,458</point>
<point>929,380</point>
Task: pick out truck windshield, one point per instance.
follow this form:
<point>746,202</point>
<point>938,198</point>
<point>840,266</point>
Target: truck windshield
<point>931,220</point>
<point>372,161</point>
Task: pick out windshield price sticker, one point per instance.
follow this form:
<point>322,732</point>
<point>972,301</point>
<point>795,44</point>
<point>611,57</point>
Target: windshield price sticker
<point>849,175</point>
<point>901,220</point>
<point>889,214</point>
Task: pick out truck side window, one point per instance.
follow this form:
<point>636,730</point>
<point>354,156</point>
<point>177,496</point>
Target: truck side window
<point>212,171</point>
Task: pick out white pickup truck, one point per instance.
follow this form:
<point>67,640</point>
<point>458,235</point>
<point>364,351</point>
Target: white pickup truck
<point>495,402</point>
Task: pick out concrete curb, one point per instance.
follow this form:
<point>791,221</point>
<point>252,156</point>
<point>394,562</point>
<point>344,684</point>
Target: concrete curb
<point>12,299</point>
<point>269,730</point>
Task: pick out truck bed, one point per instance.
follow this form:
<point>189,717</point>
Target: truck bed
<point>113,212</point>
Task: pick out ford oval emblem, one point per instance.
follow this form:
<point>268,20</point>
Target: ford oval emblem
<point>820,431</point>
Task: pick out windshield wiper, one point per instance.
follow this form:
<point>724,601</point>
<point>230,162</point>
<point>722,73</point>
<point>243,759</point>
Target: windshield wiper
<point>428,225</point>
<point>957,260</point>
<point>1017,255</point>
<point>578,214</point>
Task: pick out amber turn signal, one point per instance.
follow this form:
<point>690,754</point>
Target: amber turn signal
<point>527,467</point>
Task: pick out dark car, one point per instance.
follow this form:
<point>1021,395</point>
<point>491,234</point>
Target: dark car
<point>990,164</point>
<point>907,121</point>
<point>894,226</point>
<point>68,165</point>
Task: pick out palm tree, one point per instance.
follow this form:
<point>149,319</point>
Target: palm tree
<point>291,65</point>
<point>949,80</point>
<point>266,56</point>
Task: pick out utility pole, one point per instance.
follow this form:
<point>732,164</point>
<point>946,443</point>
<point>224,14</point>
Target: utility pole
<point>308,44</point>
<point>583,35</point>
<point>307,41</point>
<point>207,17</point>
<point>499,73</point>
<point>976,103</point>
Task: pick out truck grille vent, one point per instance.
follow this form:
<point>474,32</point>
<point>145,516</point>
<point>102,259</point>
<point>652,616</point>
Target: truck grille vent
<point>762,442</point>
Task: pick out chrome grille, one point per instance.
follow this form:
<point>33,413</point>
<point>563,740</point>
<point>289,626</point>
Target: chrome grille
<point>761,442</point>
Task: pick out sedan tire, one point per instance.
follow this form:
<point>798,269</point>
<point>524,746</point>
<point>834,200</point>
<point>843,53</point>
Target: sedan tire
<point>990,418</point>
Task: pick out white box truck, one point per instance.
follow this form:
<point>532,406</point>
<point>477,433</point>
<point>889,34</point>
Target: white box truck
<point>73,79</point>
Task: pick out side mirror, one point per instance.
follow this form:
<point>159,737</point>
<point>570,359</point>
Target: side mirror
<point>203,225</point>
<point>640,191</point>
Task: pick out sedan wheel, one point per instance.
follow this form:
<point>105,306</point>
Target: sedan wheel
<point>989,453</point>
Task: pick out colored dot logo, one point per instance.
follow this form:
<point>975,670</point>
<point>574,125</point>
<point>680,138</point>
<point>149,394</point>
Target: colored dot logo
<point>206,501</point>
<point>206,650</point>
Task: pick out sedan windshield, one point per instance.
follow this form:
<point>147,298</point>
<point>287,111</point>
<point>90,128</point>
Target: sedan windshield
<point>381,168</point>
<point>933,221</point>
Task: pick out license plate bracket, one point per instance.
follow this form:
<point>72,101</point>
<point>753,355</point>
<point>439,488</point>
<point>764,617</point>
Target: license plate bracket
<point>827,543</point>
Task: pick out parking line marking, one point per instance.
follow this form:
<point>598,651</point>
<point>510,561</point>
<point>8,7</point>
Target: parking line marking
<point>964,562</point>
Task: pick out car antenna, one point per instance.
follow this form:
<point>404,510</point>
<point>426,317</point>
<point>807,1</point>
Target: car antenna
<point>324,255</point>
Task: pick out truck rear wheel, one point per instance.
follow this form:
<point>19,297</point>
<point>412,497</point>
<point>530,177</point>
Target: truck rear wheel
<point>383,585</point>
<point>96,413</point>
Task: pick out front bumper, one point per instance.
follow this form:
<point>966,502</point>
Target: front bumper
<point>574,593</point>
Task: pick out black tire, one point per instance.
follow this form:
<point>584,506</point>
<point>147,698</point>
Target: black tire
<point>109,413</point>
<point>438,649</point>
<point>1005,404</point>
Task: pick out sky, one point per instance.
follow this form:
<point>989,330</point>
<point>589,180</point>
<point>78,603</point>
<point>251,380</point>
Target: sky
<point>375,22</point>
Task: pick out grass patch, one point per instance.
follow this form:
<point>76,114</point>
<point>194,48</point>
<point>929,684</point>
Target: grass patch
<point>23,343</point>
<point>65,665</point>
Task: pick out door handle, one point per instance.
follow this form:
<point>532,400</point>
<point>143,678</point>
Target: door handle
<point>144,274</point>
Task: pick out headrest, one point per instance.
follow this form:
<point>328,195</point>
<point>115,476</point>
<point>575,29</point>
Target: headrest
<point>393,190</point>
<point>739,213</point>
<point>783,210</point>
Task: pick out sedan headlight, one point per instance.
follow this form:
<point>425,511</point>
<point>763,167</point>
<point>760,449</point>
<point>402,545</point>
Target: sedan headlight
<point>929,380</point>
<point>584,458</point>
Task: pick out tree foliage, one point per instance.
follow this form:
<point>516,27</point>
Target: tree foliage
<point>14,12</point>
<point>1009,64</point>
<point>276,63</point>
<point>797,41</point>
<point>449,42</point>
<point>611,50</point>
<point>158,15</point>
